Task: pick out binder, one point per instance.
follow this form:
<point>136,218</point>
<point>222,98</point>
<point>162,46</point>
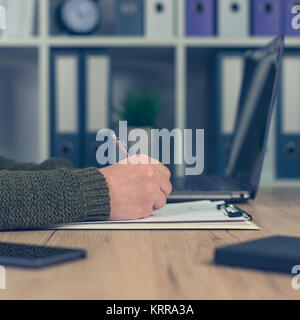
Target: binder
<point>200,17</point>
<point>29,12</point>
<point>288,128</point>
<point>291,14</point>
<point>230,67</point>
<point>233,18</point>
<point>97,102</point>
<point>20,18</point>
<point>266,17</point>
<point>268,170</point>
<point>159,18</point>
<point>129,18</point>
<point>65,105</point>
<point>2,17</point>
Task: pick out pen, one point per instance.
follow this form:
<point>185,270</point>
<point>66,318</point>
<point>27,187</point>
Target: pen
<point>120,145</point>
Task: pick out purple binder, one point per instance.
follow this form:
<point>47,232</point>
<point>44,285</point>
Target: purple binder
<point>200,17</point>
<point>266,17</point>
<point>289,16</point>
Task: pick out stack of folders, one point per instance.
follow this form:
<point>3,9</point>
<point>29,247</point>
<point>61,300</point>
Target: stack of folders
<point>80,100</point>
<point>229,18</point>
<point>21,18</point>
<point>225,18</point>
<point>152,18</point>
<point>191,215</point>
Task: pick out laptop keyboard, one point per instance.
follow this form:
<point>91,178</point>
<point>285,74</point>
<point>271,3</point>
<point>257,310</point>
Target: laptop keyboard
<point>206,183</point>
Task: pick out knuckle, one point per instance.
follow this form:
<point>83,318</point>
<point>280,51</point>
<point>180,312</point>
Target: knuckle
<point>149,173</point>
<point>148,189</point>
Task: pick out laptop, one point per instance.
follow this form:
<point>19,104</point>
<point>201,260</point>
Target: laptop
<point>243,170</point>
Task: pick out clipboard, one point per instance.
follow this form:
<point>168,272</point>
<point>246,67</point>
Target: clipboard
<point>199,215</point>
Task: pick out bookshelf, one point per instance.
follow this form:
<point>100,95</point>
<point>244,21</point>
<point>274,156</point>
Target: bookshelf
<point>41,44</point>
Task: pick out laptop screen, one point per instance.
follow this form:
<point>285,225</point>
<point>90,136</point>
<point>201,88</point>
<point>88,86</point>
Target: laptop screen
<point>256,104</point>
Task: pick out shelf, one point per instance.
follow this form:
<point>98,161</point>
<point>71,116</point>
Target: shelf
<point>112,41</point>
<point>32,42</point>
<point>216,42</point>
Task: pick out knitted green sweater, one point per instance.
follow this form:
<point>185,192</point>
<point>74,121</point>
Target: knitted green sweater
<point>33,196</point>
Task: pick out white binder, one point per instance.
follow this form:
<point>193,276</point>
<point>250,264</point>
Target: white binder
<point>231,80</point>
<point>2,17</point>
<point>291,96</point>
<point>65,107</point>
<point>20,18</point>
<point>233,18</point>
<point>159,18</point>
<point>66,86</point>
<point>97,89</point>
<point>230,66</point>
<point>97,102</point>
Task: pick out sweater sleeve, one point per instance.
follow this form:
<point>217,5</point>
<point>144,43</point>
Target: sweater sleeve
<point>34,199</point>
<point>54,163</point>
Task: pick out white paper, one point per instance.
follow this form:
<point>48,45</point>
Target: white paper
<point>190,215</point>
<point>199,211</point>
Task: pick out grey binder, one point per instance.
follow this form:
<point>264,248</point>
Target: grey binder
<point>129,17</point>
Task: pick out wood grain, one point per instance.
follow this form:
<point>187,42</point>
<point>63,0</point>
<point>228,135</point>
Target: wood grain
<point>159,264</point>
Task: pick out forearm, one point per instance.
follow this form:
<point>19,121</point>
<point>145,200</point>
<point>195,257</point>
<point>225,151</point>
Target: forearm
<point>31,199</point>
<point>11,165</point>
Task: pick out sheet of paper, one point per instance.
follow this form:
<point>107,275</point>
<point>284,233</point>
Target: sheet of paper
<point>199,211</point>
<point>191,215</point>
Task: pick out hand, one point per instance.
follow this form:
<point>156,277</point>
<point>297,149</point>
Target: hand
<point>137,189</point>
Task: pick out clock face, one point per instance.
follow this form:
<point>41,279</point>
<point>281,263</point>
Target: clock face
<point>80,16</point>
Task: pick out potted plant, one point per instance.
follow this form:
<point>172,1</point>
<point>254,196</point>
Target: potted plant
<point>140,110</point>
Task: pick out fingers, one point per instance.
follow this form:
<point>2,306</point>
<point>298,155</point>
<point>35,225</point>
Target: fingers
<point>156,175</point>
<point>166,187</point>
<point>163,169</point>
<point>160,201</point>
<point>163,180</point>
<point>144,159</point>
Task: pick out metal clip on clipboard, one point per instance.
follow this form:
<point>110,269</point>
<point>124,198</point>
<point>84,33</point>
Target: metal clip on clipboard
<point>234,212</point>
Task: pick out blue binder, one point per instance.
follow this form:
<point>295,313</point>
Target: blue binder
<point>200,17</point>
<point>80,101</point>
<point>288,120</point>
<point>266,18</point>
<point>291,17</point>
<point>65,104</point>
<point>129,17</point>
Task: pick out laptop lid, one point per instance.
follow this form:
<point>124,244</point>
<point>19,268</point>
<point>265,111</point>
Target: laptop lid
<point>256,104</point>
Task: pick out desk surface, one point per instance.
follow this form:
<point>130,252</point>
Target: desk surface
<point>159,264</point>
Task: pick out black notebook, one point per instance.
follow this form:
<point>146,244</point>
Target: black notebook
<point>278,254</point>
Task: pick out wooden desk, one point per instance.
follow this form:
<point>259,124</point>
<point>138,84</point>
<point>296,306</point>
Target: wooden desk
<point>159,264</point>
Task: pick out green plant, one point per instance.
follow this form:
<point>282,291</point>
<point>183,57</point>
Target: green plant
<point>140,109</point>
